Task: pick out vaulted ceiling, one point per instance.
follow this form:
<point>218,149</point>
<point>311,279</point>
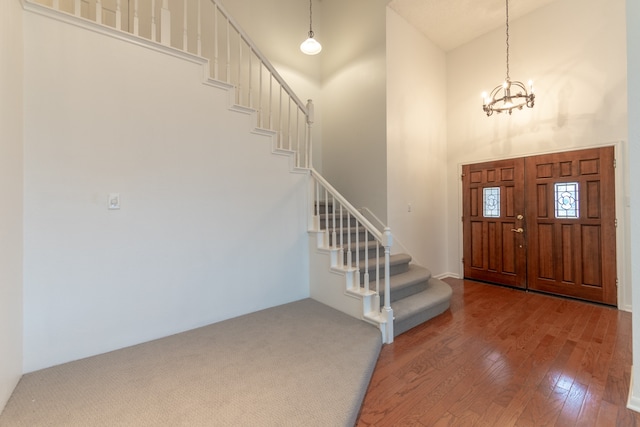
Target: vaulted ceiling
<point>452,23</point>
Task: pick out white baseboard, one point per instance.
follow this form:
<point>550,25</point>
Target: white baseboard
<point>633,402</point>
<point>446,275</point>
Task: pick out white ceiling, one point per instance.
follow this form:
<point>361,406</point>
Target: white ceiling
<point>452,23</point>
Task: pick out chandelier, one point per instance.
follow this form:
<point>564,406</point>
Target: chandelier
<point>509,95</point>
<point>310,46</point>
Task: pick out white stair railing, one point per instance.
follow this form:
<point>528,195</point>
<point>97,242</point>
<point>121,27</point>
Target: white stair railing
<point>204,28</point>
<point>351,237</point>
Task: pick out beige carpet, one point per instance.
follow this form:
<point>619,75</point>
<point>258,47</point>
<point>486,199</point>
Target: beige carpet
<point>300,364</point>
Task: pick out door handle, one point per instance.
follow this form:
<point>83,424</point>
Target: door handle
<point>518,230</point>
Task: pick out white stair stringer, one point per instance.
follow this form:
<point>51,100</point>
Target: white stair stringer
<point>252,112</point>
<point>337,286</point>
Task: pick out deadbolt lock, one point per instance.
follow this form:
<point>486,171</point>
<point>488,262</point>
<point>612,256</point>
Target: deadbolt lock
<point>520,217</point>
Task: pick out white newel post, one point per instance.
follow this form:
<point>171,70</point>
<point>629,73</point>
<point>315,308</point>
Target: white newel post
<point>387,242</point>
<point>309,144</point>
<point>165,24</point>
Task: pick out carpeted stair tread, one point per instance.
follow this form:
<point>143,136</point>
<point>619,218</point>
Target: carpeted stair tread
<point>398,263</point>
<point>394,260</point>
<point>418,308</point>
<point>405,284</point>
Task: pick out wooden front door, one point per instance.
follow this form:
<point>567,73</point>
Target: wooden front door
<point>493,222</point>
<point>554,230</point>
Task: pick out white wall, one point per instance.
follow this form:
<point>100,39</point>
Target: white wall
<point>211,225</point>
<point>633,79</point>
<point>416,144</point>
<point>11,139</point>
<point>354,95</point>
<point>574,50</point>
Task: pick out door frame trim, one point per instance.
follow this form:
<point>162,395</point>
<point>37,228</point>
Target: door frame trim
<point>623,243</point>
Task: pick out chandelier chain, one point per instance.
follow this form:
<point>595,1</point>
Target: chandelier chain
<point>310,20</point>
<point>509,95</point>
<point>507,26</point>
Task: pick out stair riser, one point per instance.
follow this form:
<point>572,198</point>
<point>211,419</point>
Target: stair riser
<point>370,254</point>
<point>346,222</point>
<point>400,327</point>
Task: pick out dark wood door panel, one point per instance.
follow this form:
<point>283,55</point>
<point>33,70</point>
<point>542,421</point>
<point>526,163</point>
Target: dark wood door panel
<point>565,241</point>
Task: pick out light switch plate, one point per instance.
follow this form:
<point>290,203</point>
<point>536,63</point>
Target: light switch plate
<point>114,201</point>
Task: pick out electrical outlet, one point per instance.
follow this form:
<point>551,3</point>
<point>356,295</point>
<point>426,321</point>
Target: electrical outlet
<point>114,201</point>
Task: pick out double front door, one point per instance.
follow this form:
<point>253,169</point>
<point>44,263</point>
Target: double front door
<point>544,223</point>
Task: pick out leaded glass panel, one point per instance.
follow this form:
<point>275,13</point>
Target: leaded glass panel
<point>491,202</point>
<point>567,200</point>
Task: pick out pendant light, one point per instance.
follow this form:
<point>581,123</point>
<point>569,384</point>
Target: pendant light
<point>509,95</point>
<point>310,46</point>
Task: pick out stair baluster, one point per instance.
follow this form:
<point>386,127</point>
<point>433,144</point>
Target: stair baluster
<point>165,24</point>
<point>199,36</point>
<point>119,16</point>
<point>334,239</point>
<point>154,26</point>
<point>99,12</point>
<point>365,278</point>
<point>136,19</point>
<point>185,35</point>
<point>341,251</point>
<point>357,265</point>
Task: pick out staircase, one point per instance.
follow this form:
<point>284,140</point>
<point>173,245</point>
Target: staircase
<point>351,265</point>
<point>415,295</point>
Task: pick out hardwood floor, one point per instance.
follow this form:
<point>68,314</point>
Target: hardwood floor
<point>503,357</point>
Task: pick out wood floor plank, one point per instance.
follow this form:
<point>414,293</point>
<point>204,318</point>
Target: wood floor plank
<point>590,406</point>
<point>572,405</point>
<point>503,357</point>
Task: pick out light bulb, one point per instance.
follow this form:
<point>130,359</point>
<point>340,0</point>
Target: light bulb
<point>310,46</point>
